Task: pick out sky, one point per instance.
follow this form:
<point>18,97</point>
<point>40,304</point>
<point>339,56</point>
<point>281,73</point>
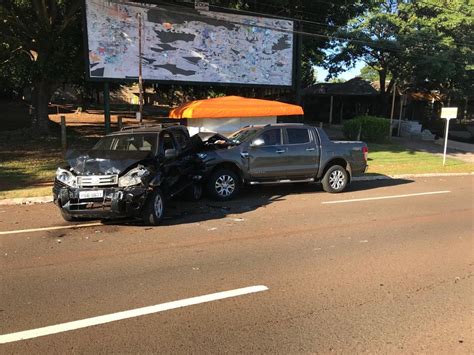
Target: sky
<point>349,74</point>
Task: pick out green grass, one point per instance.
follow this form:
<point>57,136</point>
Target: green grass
<point>28,172</point>
<point>390,159</point>
<point>27,166</point>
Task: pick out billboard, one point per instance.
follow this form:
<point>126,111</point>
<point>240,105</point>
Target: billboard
<point>184,45</point>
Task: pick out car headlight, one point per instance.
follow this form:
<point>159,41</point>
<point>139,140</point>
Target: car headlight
<point>66,177</point>
<point>133,177</point>
<point>202,156</point>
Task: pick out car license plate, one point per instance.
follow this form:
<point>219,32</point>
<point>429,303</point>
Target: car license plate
<point>91,194</point>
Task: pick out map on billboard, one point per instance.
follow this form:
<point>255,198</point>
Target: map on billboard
<point>182,44</point>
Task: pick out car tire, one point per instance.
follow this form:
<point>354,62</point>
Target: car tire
<point>154,209</point>
<point>223,185</point>
<point>67,216</point>
<point>335,179</point>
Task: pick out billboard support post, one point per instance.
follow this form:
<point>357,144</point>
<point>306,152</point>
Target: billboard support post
<point>140,77</point>
<point>299,49</point>
<point>107,107</point>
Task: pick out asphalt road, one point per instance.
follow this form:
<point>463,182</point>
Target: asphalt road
<point>383,275</point>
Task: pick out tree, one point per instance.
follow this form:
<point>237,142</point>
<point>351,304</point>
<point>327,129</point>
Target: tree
<point>371,38</point>
<point>436,38</point>
<point>424,44</point>
<point>50,31</point>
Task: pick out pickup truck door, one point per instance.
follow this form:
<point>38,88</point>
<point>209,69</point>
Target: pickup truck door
<point>267,156</point>
<point>302,152</point>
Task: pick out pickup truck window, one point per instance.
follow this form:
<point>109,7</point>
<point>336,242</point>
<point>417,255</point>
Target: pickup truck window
<point>297,135</point>
<point>271,137</point>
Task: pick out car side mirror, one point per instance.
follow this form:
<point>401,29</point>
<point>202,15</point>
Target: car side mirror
<point>257,142</point>
<point>171,153</point>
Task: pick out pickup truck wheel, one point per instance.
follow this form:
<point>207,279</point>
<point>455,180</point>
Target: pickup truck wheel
<point>154,208</point>
<point>336,179</point>
<point>223,185</point>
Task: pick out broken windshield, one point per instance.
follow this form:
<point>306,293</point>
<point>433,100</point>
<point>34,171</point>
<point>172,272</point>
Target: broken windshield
<point>243,135</point>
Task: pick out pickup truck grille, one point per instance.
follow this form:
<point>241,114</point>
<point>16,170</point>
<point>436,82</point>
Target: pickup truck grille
<point>97,180</point>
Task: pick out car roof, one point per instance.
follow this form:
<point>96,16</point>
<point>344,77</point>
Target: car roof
<point>146,129</point>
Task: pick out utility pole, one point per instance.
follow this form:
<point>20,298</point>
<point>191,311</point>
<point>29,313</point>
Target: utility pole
<point>140,77</point>
<point>393,109</point>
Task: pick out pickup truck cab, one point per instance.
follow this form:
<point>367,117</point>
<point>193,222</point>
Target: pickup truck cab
<point>280,153</point>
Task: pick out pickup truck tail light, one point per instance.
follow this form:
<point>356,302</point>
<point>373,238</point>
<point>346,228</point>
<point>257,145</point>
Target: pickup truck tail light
<point>365,150</point>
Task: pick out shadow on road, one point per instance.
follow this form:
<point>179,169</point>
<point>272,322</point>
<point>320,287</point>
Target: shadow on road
<point>376,184</point>
<point>250,199</point>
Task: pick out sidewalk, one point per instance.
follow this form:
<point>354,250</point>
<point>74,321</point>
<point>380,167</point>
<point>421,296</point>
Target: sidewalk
<point>432,147</point>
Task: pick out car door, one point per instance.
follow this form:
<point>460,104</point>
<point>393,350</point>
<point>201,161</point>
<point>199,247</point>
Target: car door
<point>267,155</point>
<point>302,152</point>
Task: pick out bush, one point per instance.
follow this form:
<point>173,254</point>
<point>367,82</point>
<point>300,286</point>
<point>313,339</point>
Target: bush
<point>372,129</point>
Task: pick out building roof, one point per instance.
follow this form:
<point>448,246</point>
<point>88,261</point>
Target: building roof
<point>354,87</point>
<point>234,106</point>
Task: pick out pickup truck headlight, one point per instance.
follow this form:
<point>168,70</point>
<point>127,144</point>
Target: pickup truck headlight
<point>66,177</point>
<point>133,177</point>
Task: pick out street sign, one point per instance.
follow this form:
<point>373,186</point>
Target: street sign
<point>202,6</point>
<point>449,112</point>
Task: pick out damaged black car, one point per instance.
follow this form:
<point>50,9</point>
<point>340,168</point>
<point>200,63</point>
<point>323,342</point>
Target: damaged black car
<point>130,173</point>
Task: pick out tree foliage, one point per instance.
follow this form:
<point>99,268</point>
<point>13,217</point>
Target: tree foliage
<point>43,39</point>
<point>424,44</point>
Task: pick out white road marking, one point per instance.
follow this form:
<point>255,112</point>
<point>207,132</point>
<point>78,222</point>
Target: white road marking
<point>89,322</point>
<point>72,226</point>
<point>386,197</point>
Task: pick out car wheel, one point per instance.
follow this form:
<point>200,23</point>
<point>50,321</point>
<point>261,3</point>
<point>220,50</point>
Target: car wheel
<point>223,185</point>
<point>154,208</point>
<point>335,180</point>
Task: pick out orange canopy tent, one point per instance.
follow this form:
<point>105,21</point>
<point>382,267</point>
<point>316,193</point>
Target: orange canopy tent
<point>234,106</point>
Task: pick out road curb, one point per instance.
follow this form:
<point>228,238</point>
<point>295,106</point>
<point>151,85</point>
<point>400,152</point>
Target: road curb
<point>26,200</point>
<point>48,199</point>
<point>404,176</point>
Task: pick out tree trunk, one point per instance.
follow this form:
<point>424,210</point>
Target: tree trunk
<point>383,99</point>
<point>43,94</point>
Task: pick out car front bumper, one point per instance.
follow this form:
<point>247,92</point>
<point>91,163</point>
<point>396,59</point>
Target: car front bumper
<point>116,202</point>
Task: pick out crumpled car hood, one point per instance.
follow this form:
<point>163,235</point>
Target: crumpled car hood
<point>106,162</point>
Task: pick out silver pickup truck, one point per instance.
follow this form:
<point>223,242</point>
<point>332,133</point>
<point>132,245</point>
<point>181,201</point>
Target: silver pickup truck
<point>276,154</point>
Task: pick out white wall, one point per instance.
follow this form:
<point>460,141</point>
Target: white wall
<point>225,126</point>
